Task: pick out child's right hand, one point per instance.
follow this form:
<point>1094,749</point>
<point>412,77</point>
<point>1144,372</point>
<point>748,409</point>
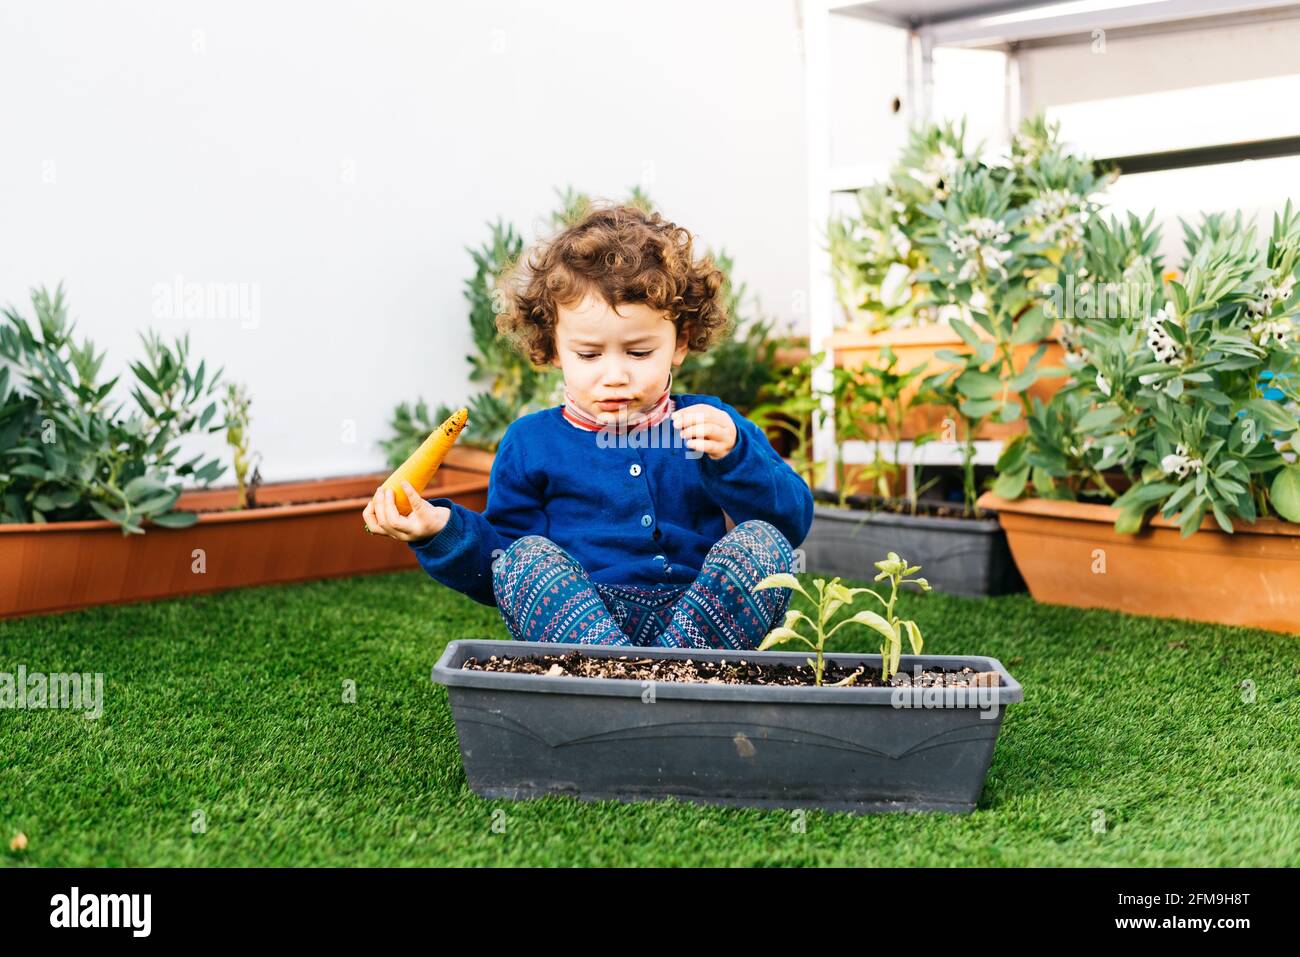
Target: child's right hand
<point>425,520</point>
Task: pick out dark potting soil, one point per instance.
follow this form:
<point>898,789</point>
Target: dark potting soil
<point>737,671</point>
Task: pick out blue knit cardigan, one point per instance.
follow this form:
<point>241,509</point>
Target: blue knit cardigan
<point>643,509</point>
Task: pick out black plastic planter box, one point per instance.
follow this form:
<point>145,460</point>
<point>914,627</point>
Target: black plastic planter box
<point>841,749</point>
<point>961,556</point>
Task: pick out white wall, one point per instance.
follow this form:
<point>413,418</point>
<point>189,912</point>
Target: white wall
<point>1175,90</point>
<point>336,159</point>
<point>1127,65</point>
<point>867,70</point>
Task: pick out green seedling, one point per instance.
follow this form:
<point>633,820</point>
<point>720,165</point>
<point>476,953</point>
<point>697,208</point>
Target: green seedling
<point>833,596</point>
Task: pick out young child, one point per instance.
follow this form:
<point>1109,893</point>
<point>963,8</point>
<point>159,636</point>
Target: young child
<point>605,518</point>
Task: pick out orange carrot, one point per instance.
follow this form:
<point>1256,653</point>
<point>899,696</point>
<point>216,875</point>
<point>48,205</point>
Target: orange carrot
<point>424,461</point>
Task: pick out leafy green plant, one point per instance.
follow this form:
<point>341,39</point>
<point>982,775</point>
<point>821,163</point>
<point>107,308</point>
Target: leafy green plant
<point>237,403</point>
<point>513,386</point>
<point>877,252</point>
<point>947,235</point>
<point>985,260</point>
<point>740,369</point>
<point>943,386</point>
<point>1054,186</point>
<point>831,597</point>
<point>882,253</point>
<point>872,403</point>
<point>858,410</point>
<point>792,409</point>
<point>1108,279</point>
<point>1190,399</point>
<point>68,452</point>
<point>874,262</point>
<point>1109,283</point>
<point>930,165</point>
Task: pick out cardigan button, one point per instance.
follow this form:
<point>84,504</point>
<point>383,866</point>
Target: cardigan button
<point>634,471</point>
<point>646,520</point>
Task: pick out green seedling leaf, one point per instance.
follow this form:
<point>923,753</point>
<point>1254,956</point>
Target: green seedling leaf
<point>782,580</point>
<point>871,620</point>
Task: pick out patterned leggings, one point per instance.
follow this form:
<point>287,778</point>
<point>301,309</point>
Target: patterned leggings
<point>544,594</point>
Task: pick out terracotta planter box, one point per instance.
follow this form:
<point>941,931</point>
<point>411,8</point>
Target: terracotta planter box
<point>917,346</point>
<point>300,531</point>
<point>1070,554</point>
<point>859,481</point>
<point>792,352</point>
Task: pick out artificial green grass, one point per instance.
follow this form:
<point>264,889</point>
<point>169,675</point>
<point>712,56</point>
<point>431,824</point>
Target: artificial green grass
<point>1133,746</point>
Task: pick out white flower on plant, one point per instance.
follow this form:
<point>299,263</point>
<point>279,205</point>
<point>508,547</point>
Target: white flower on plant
<point>993,260</point>
<point>1068,229</point>
<point>899,240</point>
<point>989,229</point>
<point>1162,345</point>
<point>1080,451</point>
<point>1027,150</point>
<point>1179,463</point>
<point>940,166</point>
<point>1150,379</point>
<point>1102,384</point>
<point>979,244</point>
<point>1271,330</point>
<point>963,245</point>
<point>882,245</point>
<point>1058,211</point>
<point>1269,296</point>
<point>1076,356</point>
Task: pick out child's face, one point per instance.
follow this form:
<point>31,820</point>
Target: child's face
<point>608,355</point>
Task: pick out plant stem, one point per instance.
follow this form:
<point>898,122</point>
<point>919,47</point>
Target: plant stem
<point>821,642</point>
<point>968,468</point>
<point>1105,486</point>
<point>893,623</point>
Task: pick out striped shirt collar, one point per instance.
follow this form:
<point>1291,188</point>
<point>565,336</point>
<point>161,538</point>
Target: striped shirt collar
<point>580,419</point>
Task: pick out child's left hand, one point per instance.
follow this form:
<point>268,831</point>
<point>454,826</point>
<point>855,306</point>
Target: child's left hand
<point>706,429</point>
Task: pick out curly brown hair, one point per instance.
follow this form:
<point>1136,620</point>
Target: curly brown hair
<point>624,255</point>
